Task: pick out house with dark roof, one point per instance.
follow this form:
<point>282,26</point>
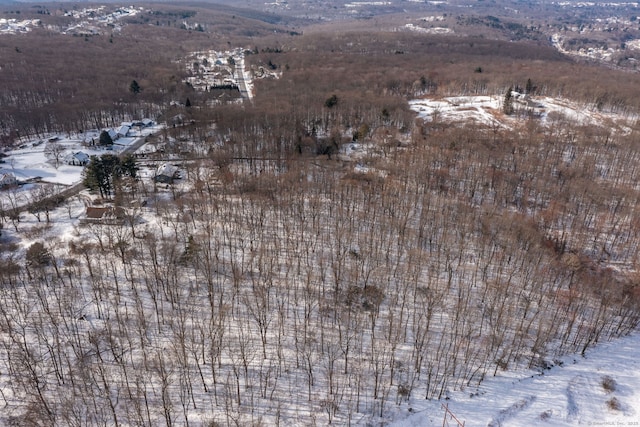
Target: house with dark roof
<point>109,215</point>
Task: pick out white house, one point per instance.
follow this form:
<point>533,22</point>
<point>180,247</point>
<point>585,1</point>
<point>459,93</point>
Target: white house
<point>78,159</point>
<point>113,134</point>
<point>7,180</point>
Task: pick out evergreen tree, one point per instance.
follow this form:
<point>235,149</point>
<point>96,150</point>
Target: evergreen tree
<point>529,87</point>
<point>102,173</point>
<point>507,104</point>
<point>105,138</point>
<point>188,103</point>
<point>134,87</point>
<point>331,102</point>
<point>95,176</point>
<point>129,166</point>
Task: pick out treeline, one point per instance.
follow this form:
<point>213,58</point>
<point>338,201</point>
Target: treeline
<point>353,85</point>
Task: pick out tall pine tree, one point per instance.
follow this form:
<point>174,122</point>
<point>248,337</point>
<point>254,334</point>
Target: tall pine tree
<point>105,138</point>
<point>529,87</point>
<point>507,104</point>
<point>103,172</point>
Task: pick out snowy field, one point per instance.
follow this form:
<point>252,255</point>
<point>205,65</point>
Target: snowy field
<point>30,161</point>
<point>476,108</point>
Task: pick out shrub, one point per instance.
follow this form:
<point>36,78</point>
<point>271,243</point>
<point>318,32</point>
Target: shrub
<point>38,255</point>
<point>614,404</point>
<point>546,415</point>
<point>608,384</point>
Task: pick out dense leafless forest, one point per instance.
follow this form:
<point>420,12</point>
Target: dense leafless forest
<point>279,284</point>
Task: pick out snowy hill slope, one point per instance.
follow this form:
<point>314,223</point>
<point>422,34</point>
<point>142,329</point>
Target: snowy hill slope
<point>598,389</point>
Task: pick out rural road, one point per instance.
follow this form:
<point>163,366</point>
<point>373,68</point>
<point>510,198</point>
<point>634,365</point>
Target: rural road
<point>240,79</point>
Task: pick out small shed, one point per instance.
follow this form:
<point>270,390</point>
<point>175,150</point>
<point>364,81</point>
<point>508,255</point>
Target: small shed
<point>8,180</point>
<point>108,215</point>
<point>166,173</point>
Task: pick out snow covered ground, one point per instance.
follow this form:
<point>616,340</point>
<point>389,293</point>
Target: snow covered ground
<point>32,166</point>
<point>488,110</point>
<point>432,30</point>
<point>482,109</point>
<point>15,26</point>
<point>598,389</point>
<point>30,161</point>
<point>602,388</point>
